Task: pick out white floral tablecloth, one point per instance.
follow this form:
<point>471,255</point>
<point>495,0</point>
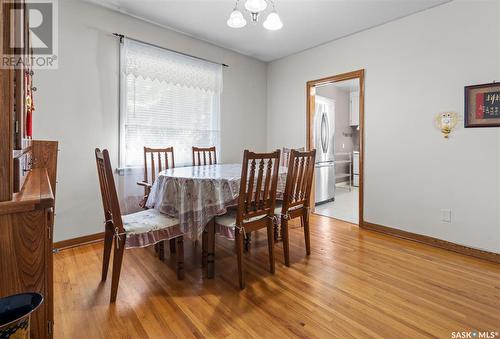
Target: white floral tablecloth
<point>196,194</point>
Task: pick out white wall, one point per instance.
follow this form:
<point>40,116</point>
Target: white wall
<point>415,67</point>
<point>78,104</point>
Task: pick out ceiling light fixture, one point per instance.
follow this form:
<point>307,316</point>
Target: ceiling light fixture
<point>236,19</point>
<point>255,8</point>
<point>273,22</point>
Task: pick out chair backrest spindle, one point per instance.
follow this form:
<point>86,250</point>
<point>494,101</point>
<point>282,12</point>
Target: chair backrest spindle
<point>153,175</point>
<point>285,155</point>
<point>202,154</point>
<point>160,165</point>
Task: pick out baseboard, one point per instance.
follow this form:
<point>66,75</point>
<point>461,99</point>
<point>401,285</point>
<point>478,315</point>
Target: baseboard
<point>74,242</point>
<point>473,252</point>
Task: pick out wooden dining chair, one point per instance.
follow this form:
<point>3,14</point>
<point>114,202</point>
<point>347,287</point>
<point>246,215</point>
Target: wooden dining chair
<point>158,159</point>
<point>285,158</point>
<point>134,230</point>
<point>285,155</point>
<point>256,203</point>
<point>296,197</point>
<point>207,154</point>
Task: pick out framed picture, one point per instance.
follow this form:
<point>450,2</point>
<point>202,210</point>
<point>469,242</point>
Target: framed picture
<point>482,105</point>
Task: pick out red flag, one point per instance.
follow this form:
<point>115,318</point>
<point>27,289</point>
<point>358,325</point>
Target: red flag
<point>30,107</point>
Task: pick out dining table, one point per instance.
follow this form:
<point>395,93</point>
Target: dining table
<point>197,194</point>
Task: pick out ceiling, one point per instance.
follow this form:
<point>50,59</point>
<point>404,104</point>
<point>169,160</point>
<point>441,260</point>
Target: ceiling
<point>307,23</point>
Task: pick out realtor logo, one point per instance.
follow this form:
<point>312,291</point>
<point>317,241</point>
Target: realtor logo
<point>41,34</point>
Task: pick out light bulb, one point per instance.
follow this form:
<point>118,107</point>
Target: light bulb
<point>255,6</point>
<point>236,19</point>
<point>273,22</point>
<point>254,16</point>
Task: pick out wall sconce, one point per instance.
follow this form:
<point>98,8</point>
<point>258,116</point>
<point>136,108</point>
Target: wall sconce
<point>446,122</point>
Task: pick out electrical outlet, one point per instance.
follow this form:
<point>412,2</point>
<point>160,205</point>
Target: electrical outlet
<point>446,215</point>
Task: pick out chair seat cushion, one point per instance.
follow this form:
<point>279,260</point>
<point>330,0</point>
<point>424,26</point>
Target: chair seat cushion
<point>147,221</point>
<point>279,206</point>
<point>148,227</point>
<point>229,219</point>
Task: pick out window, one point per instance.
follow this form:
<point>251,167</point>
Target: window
<point>167,99</point>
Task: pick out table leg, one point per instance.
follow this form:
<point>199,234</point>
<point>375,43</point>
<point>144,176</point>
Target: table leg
<point>211,249</point>
<point>204,247</point>
<point>161,250</point>
<point>172,246</point>
<point>277,231</point>
<point>179,256</point>
<point>246,241</point>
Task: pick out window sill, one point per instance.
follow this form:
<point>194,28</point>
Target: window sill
<point>129,170</point>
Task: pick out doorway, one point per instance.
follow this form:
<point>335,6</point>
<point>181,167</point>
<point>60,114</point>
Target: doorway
<point>335,127</point>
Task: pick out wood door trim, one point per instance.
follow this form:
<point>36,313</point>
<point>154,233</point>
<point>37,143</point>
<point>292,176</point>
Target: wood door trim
<point>359,74</point>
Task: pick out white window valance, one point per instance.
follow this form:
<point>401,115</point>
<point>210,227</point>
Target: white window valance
<point>166,99</point>
<point>157,64</point>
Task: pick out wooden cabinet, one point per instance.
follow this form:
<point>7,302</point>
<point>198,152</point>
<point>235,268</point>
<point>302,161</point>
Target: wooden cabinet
<point>354,109</point>
<point>26,261</point>
<point>27,180</point>
<point>15,93</point>
<point>26,228</point>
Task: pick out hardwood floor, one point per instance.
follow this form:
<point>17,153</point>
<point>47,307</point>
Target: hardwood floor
<point>356,283</point>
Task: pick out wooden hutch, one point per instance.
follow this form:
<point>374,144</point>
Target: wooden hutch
<point>27,179</point>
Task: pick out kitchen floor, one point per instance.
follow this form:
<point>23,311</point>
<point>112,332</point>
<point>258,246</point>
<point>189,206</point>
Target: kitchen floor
<point>345,206</point>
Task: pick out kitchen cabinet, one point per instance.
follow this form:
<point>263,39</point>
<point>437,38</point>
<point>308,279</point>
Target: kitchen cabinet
<point>354,109</point>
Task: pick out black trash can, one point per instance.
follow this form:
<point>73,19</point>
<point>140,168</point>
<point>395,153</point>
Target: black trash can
<point>15,314</point>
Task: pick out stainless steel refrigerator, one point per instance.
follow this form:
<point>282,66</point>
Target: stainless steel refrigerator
<point>324,142</point>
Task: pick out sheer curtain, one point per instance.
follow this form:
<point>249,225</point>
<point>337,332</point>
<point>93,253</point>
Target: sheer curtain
<point>167,99</point>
